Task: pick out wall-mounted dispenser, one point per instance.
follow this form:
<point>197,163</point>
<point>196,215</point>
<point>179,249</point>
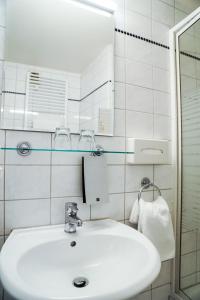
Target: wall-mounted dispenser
<point>148,151</point>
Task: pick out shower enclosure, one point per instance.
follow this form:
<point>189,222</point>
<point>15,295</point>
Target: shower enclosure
<point>185,83</point>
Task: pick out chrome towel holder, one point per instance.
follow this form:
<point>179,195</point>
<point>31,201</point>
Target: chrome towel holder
<point>146,183</point>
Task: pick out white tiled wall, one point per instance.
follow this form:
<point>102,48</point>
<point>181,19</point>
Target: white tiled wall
<point>142,109</point>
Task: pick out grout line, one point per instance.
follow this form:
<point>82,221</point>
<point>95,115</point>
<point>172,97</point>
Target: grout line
<point>27,199</point>
<point>50,184</point>
<point>125,120</point>
<point>4,186</point>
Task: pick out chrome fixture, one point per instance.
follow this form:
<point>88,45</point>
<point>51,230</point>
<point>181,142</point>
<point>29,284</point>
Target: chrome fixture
<point>71,219</point>
<point>24,148</point>
<point>145,184</point>
<point>99,151</point>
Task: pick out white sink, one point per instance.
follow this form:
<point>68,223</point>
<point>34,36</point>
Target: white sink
<point>41,264</point>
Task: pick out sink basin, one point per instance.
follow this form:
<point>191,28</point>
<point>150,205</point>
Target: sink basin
<point>103,260</point>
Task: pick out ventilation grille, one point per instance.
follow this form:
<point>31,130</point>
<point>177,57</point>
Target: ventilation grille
<point>45,96</point>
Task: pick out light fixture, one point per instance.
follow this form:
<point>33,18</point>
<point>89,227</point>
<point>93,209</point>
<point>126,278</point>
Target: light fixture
<point>102,7</point>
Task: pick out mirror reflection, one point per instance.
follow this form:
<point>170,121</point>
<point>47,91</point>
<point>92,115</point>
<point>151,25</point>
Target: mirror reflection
<point>58,74</point>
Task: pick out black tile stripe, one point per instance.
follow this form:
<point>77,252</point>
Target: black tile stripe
<point>95,89</point>
<point>189,55</point>
<point>24,94</point>
<point>141,38</point>
<point>11,92</point>
<point>71,99</point>
<point>154,42</point>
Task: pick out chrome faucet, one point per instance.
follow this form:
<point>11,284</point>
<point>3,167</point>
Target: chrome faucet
<point>71,219</point>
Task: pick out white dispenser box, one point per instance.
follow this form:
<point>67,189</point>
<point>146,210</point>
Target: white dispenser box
<point>148,151</point>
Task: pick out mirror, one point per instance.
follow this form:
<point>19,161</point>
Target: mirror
<point>58,69</point>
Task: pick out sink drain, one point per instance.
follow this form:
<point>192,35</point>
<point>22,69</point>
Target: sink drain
<point>80,282</point>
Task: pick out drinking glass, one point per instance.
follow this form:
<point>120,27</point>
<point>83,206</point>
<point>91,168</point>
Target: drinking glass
<point>62,138</point>
<point>87,140</point>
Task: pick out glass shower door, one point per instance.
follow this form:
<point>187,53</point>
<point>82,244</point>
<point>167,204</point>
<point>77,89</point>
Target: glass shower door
<point>189,58</point>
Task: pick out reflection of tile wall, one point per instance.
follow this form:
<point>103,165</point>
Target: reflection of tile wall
<point>14,102</point>
<point>98,72</point>
<point>91,108</point>
<point>142,109</point>
<point>96,94</point>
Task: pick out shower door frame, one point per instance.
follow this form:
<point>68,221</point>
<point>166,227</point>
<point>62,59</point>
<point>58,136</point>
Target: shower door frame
<point>175,81</point>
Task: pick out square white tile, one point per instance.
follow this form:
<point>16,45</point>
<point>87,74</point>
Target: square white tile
<point>161,80</point>
<point>113,144</point>
<point>1,182</point>
<point>143,7</point>
<point>162,12</point>
<point>138,73</point>
<point>1,217</point>
<point>138,50</point>
<point>2,40</point>
<point>2,12</point>
<point>161,293</point>
<point>119,69</point>
<point>188,242</point>
<point>119,44</point>
<point>160,57</point>
<point>119,13</point>
<point>139,99</point>
<point>66,181</point>
<point>139,124</point>
<point>143,296</point>
<point>120,96</point>
<point>188,264</point>
<point>134,175</point>
<point>26,213</point>
<point>163,175</point>
<point>160,33</point>
<point>114,209</point>
<point>162,103</point>
<point>116,179</point>
<point>64,158</point>
<point>162,127</point>
<point>119,122</point>
<point>189,280</point>
<point>165,274</point>
<point>36,140</point>
<point>27,182</point>
<point>137,24</point>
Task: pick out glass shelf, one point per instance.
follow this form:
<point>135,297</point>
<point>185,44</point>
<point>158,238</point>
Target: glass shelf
<point>67,150</point>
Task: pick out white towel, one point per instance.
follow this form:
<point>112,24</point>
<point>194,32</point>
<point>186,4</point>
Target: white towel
<point>154,221</point>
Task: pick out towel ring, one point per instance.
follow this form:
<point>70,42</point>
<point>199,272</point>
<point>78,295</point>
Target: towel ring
<point>146,183</point>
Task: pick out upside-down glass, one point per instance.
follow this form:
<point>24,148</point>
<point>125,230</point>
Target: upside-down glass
<point>87,140</point>
<point>62,138</point>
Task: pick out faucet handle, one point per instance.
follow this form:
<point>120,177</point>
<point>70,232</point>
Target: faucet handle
<point>71,207</point>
